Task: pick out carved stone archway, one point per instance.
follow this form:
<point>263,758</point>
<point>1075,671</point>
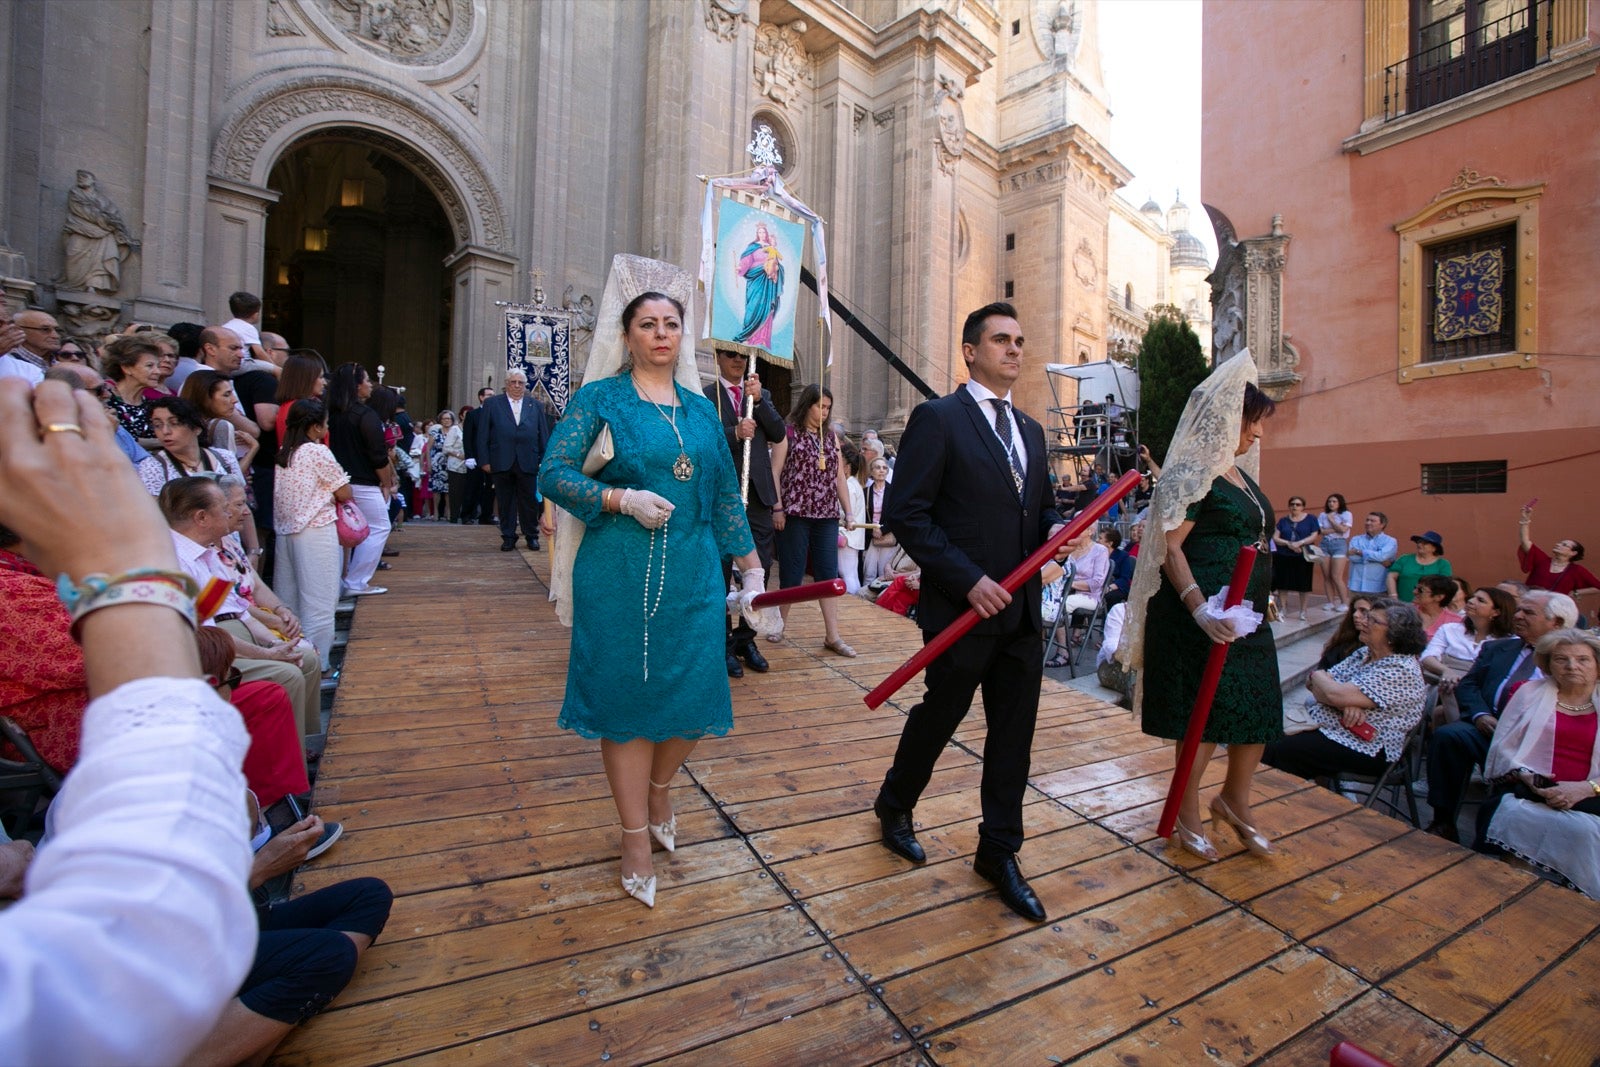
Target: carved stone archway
<point>274,115</point>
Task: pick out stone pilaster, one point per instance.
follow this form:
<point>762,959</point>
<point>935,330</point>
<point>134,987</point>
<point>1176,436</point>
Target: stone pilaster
<point>176,280</point>
<point>479,277</point>
<point>235,244</point>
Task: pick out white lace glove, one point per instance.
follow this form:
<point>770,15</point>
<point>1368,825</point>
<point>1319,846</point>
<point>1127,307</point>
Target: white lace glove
<point>472,464</point>
<point>753,582</point>
<point>646,508</point>
<point>1225,626</point>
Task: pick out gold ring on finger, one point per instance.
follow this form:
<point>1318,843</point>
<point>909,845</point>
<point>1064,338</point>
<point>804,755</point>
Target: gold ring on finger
<point>63,427</point>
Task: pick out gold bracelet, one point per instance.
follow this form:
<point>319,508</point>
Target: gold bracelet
<point>1595,786</point>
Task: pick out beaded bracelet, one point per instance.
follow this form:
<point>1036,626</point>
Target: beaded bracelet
<point>1186,590</point>
<point>156,592</point>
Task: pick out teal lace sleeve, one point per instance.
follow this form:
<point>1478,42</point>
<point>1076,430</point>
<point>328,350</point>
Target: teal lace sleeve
<point>561,476</point>
<point>728,521</point>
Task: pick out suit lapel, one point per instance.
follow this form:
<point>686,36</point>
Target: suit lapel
<point>985,431</point>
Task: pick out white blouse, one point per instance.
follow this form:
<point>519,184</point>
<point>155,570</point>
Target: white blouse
<point>1452,639</point>
<point>136,927</point>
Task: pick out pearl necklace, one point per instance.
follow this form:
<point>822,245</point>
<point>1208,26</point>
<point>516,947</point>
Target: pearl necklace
<point>1574,707</point>
<point>661,585</point>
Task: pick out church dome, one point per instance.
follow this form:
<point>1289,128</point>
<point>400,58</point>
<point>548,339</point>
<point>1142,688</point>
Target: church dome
<point>1152,211</point>
<point>1187,251</point>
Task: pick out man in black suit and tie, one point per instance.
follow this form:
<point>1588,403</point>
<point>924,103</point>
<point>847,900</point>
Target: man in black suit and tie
<point>764,430</point>
<point>512,435</point>
<point>1482,695</point>
<point>969,501</point>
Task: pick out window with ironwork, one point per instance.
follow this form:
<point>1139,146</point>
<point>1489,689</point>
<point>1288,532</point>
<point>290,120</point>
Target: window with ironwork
<point>1483,476</point>
<point>1461,45</point>
<point>1468,307</point>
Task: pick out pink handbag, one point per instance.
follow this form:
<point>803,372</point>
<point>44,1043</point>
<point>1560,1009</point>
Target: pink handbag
<point>351,524</point>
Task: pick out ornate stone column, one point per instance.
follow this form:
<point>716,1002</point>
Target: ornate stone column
<point>479,277</point>
<point>1247,303</point>
<point>235,248</point>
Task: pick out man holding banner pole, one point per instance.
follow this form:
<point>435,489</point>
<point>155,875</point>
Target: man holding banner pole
<point>970,501</point>
<point>751,424</point>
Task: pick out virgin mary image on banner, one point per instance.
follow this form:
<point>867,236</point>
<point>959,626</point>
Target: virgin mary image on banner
<point>758,278</point>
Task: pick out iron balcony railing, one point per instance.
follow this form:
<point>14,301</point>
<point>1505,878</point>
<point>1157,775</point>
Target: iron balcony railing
<point>1482,56</point>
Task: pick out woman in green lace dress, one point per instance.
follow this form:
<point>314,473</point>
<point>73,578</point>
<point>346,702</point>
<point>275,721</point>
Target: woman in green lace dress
<point>648,611</point>
<point>1212,509</point>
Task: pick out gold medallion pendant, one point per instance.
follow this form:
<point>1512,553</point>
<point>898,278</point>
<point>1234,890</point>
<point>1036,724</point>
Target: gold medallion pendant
<point>683,469</point>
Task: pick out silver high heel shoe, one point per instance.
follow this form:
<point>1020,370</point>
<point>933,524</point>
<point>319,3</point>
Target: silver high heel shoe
<point>641,887</point>
<point>1248,835</point>
<point>1197,844</point>
<point>664,832</point>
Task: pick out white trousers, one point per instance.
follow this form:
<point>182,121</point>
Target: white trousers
<point>366,556</point>
<point>850,569</point>
<point>307,579</point>
<point>878,559</point>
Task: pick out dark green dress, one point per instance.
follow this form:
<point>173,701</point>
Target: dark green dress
<point>1248,708</point>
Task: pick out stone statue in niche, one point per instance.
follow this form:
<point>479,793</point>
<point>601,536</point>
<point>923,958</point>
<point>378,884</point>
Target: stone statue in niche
<point>723,17</point>
<point>97,240</point>
<point>1247,303</point>
<point>583,319</point>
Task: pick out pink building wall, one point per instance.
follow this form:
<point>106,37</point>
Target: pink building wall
<point>1282,90</point>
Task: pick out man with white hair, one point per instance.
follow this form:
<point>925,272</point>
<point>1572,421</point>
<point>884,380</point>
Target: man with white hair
<point>29,355</point>
<point>1482,695</point>
<point>512,435</point>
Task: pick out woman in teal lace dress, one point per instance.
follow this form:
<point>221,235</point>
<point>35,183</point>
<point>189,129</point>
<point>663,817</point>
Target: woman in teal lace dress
<point>646,673</point>
<point>1212,509</point>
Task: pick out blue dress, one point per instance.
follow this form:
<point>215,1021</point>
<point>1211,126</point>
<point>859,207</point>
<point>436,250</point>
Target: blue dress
<point>684,692</point>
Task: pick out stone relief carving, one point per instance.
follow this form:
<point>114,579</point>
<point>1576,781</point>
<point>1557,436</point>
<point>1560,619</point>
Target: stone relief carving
<point>1058,28</point>
<point>783,69</point>
<point>952,135</point>
<point>583,320</point>
<point>723,17</point>
<point>279,22</point>
<point>96,238</point>
<point>1084,267</point>
<point>407,31</point>
<point>1469,179</point>
<point>87,317</point>
<point>1247,303</point>
<point>240,142</point>
<point>467,96</point>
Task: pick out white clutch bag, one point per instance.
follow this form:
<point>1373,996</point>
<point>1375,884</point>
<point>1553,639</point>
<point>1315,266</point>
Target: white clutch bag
<point>603,451</point>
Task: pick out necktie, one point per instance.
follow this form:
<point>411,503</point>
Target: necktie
<point>1519,674</point>
<point>1002,426</point>
<point>738,400</point>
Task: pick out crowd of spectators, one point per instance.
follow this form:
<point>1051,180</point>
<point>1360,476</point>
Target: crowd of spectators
<point>234,473</point>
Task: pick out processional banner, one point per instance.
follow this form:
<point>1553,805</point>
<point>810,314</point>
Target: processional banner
<point>539,343</point>
<point>757,286</point>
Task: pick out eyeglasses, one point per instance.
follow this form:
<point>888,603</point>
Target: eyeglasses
<point>43,329</point>
<point>1377,620</point>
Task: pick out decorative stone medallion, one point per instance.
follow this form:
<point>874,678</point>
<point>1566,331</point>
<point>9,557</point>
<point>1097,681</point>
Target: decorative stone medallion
<point>414,32</point>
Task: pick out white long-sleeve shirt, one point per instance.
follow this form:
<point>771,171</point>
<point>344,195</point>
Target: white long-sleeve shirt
<point>136,927</point>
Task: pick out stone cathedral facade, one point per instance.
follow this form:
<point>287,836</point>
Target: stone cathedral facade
<point>383,171</point>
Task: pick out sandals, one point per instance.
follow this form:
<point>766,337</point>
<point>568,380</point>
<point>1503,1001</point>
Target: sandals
<point>839,648</point>
<point>1057,662</point>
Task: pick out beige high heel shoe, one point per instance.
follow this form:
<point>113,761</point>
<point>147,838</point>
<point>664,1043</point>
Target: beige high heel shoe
<point>1248,835</point>
<point>1197,844</point>
<point>664,832</point>
<point>640,887</point>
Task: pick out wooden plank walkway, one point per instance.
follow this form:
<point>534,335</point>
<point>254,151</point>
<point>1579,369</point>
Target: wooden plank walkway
<point>783,932</point>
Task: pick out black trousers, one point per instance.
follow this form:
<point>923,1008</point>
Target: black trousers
<point>762,533</point>
<point>517,497</point>
<point>460,483</point>
<point>1008,667</point>
<point>303,958</point>
<point>1313,754</point>
<point>1456,748</point>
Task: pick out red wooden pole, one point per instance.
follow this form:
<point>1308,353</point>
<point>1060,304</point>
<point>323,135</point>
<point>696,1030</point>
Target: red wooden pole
<point>1011,583</point>
<point>796,594</point>
<point>1202,701</point>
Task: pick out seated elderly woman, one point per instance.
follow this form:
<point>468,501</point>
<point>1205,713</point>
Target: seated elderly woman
<point>1365,705</point>
<point>1545,766</point>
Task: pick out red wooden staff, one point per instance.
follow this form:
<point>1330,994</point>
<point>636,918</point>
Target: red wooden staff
<point>1011,583</point>
<point>1202,700</point>
<point>798,594</point>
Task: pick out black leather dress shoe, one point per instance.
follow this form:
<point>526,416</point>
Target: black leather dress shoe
<point>508,546</point>
<point>752,655</point>
<point>734,670</point>
<point>1004,874</point>
<point>898,836</point>
<point>533,543</point>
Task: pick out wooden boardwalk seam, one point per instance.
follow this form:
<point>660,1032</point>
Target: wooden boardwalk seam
<point>784,932</point>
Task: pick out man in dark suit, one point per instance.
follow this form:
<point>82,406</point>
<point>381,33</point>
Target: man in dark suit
<point>764,430</point>
<point>969,501</point>
<point>512,435</point>
<point>1482,695</point>
<point>477,505</point>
